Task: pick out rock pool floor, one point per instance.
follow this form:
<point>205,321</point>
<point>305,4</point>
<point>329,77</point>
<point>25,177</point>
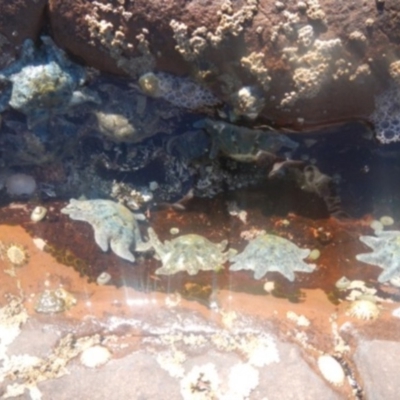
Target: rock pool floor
<point>210,336</point>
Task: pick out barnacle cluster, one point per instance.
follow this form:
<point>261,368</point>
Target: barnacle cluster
<point>192,45</point>
<point>112,37</point>
<point>54,301</point>
<point>312,68</point>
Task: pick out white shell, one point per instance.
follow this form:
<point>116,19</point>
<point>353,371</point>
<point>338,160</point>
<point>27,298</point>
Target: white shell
<point>38,213</point>
<point>343,283</point>
<point>331,369</point>
<point>95,356</point>
<point>395,281</point>
<point>103,278</point>
<point>386,220</point>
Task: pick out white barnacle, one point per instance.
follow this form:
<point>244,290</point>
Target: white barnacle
<point>364,309</point>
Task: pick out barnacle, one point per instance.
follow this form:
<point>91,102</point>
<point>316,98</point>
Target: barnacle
<point>15,253</point>
<point>363,309</point>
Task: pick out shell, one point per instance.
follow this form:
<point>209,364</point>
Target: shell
<point>343,283</point>
<point>363,309</point>
<point>95,356</point>
<point>386,220</point>
<point>331,369</point>
<point>38,213</point>
<point>103,278</point>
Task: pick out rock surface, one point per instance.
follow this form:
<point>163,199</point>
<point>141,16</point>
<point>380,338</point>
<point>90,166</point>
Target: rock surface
<point>19,20</point>
<point>299,56</point>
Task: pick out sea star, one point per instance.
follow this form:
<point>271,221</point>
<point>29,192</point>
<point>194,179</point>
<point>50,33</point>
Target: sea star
<point>272,253</point>
<point>113,225</point>
<point>191,253</point>
<point>385,254</point>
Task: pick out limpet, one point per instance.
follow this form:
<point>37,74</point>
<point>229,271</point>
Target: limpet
<point>331,369</point>
<point>95,356</point>
<point>386,220</point>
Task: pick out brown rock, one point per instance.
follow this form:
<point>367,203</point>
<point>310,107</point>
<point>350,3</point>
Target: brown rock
<point>305,64</point>
<point>19,20</point>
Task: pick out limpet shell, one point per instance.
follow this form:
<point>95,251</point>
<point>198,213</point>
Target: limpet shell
<point>331,369</point>
<point>38,213</point>
<point>386,220</point>
<point>95,356</point>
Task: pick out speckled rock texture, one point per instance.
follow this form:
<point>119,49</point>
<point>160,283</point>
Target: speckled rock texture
<point>299,55</point>
<point>19,20</point>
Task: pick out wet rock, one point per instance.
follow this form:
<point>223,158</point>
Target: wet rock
<point>314,63</point>
<point>379,355</point>
<point>19,20</point>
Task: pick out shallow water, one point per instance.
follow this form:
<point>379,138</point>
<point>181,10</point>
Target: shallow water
<point>198,335</point>
<point>200,319</point>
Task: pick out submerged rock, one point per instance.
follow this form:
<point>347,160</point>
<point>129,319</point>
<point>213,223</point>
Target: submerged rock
<point>43,82</point>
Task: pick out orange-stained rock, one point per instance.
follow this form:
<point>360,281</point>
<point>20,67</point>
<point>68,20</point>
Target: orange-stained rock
<point>19,20</point>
